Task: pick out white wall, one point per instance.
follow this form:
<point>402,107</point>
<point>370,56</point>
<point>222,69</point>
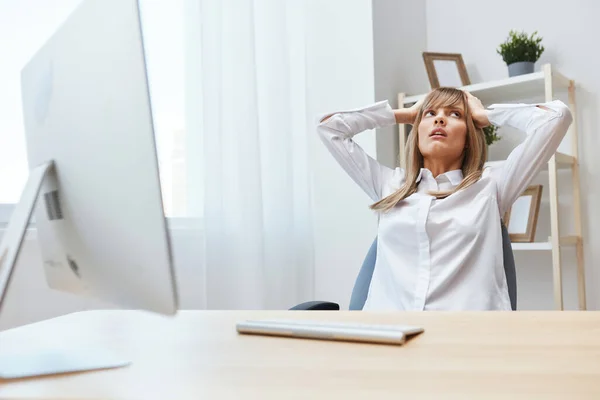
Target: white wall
<point>340,75</point>
<point>399,37</point>
<point>570,31</point>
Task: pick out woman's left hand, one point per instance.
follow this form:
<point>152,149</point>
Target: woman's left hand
<point>478,112</point>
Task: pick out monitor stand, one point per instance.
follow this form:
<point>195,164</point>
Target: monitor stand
<point>38,363</point>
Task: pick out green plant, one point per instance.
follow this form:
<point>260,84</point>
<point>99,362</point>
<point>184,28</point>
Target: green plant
<point>520,47</point>
<point>491,134</point>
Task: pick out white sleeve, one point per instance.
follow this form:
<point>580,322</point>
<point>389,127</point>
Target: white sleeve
<point>337,132</point>
<point>545,131</point>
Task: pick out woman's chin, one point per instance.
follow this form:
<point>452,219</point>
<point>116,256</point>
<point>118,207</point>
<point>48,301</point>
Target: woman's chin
<point>439,150</point>
<point>436,147</point>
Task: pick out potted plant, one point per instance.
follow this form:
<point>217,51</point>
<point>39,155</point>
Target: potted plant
<point>491,134</point>
<point>520,52</point>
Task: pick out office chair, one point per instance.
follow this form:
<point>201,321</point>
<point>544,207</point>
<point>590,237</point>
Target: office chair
<point>363,280</point>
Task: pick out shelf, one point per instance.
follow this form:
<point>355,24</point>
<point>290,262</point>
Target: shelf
<point>565,241</point>
<point>562,161</point>
<point>531,246</point>
<point>505,90</point>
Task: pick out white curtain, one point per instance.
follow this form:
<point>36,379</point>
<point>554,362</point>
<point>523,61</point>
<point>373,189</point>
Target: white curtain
<point>247,150</point>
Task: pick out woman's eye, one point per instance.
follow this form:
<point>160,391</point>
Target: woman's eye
<point>455,114</point>
<point>429,113</point>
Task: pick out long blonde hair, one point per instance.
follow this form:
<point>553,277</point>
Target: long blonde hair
<point>474,156</point>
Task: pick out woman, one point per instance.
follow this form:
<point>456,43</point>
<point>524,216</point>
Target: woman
<point>439,238</point>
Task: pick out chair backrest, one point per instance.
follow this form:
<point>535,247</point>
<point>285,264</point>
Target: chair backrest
<point>363,280</point>
<point>509,267</point>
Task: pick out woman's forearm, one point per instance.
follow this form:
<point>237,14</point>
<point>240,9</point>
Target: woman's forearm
<point>545,125</point>
<point>404,115</point>
<point>337,130</point>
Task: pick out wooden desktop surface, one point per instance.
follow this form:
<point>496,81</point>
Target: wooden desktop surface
<point>199,355</point>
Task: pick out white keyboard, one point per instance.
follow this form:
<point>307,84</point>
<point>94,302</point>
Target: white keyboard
<point>343,325</point>
<point>330,330</point>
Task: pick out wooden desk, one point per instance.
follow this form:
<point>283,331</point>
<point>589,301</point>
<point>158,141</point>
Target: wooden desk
<point>199,355</point>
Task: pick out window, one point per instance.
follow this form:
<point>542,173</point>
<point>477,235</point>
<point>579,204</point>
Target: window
<point>26,24</point>
<point>163,29</point>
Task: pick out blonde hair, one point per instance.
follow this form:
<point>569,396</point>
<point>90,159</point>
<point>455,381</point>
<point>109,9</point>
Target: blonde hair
<point>474,156</point>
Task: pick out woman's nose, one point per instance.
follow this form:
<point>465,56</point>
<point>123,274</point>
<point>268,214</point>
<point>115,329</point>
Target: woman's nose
<point>440,121</point>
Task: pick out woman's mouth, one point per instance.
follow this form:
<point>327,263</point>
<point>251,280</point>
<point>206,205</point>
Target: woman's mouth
<point>438,133</point>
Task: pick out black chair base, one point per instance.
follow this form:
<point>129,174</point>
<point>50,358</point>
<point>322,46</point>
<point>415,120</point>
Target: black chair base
<point>317,306</point>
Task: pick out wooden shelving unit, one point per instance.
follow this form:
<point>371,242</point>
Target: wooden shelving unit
<point>543,83</point>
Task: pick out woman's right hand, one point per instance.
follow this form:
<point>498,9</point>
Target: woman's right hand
<point>408,115</point>
<point>415,108</point>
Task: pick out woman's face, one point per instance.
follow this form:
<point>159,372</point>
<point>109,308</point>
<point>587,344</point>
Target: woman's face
<point>442,133</point>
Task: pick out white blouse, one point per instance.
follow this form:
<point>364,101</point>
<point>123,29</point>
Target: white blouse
<point>444,254</point>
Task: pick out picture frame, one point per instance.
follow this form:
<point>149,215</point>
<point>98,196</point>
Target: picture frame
<point>521,218</point>
<point>445,69</point>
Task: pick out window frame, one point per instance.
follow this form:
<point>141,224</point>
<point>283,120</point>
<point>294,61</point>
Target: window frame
<point>173,223</point>
<point>6,210</point>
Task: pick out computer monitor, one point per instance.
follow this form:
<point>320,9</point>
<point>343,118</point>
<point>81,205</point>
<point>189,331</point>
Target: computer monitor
<point>91,150</point>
